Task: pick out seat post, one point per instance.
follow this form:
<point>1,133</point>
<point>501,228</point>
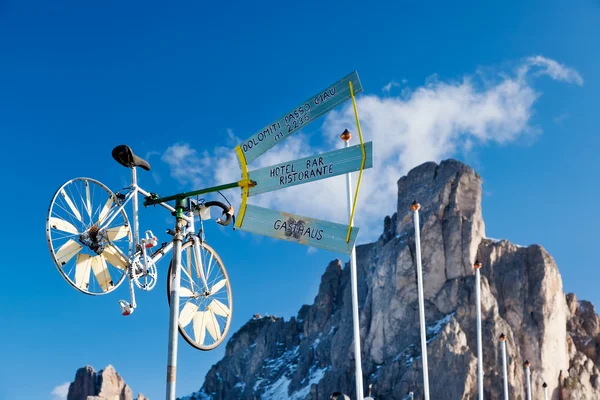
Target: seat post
<point>133,177</point>
<point>135,208</point>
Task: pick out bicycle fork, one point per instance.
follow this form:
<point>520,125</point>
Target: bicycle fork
<point>199,266</point>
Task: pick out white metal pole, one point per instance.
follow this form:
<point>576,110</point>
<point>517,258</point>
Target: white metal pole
<point>477,267</point>
<point>528,375</point>
<point>415,207</point>
<point>346,136</point>
<point>174,303</point>
<point>504,370</point>
<point>545,386</point>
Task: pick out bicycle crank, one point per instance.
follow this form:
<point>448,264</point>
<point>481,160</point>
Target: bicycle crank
<point>145,279</point>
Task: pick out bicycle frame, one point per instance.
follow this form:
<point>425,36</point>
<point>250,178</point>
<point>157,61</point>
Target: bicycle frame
<point>133,196</point>
<point>139,245</point>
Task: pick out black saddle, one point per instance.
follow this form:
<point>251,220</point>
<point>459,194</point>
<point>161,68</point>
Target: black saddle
<point>124,156</point>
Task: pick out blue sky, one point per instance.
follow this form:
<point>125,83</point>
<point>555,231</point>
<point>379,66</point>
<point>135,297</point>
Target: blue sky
<point>508,87</point>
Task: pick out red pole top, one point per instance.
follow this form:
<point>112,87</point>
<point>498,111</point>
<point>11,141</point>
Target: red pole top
<point>346,135</point>
<point>477,264</point>
<point>415,206</point>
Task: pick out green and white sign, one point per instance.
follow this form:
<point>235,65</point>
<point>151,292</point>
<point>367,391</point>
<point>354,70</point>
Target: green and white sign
<point>308,111</point>
<point>310,169</point>
<point>298,229</point>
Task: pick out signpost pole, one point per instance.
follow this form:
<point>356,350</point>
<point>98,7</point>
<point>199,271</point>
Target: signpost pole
<point>477,266</point>
<point>174,302</point>
<point>415,207</point>
<point>503,342</point>
<point>346,136</point>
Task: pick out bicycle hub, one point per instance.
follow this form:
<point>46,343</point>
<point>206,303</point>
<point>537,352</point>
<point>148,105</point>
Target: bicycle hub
<point>95,239</point>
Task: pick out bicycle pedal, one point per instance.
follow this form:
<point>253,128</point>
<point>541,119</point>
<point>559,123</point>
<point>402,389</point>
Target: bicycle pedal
<point>126,308</point>
<point>150,240</point>
<point>151,243</point>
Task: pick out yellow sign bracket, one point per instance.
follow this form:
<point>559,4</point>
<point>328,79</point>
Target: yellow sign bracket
<point>362,165</point>
<point>244,183</point>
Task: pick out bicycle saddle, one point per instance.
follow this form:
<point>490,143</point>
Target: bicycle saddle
<point>124,156</point>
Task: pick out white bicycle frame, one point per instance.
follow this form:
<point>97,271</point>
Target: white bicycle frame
<point>139,245</point>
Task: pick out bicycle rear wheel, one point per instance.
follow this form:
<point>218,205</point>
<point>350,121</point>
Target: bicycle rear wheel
<point>92,258</point>
<point>204,315</point>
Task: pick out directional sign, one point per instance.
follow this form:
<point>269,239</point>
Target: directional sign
<point>308,111</point>
<point>296,228</point>
<point>310,169</point>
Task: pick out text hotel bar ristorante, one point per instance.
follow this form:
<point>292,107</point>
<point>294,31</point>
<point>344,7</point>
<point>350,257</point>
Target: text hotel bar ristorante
<point>310,169</point>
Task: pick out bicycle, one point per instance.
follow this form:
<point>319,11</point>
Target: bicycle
<point>94,247</point>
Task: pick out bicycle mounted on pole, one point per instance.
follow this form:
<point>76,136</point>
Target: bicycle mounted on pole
<point>94,246</point>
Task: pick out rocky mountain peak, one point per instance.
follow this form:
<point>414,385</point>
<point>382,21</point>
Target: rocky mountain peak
<point>105,384</point>
<point>311,355</point>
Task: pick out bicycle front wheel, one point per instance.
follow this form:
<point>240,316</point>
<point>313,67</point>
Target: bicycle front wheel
<point>91,257</point>
<point>204,310</point>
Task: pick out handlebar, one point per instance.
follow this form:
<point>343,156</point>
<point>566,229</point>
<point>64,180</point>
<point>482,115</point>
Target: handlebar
<point>195,205</point>
<point>227,211</point>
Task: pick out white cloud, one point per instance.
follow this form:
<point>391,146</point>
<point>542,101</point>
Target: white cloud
<point>60,392</point>
<point>430,123</point>
<point>553,69</point>
<point>311,250</point>
<point>560,119</point>
<point>388,87</point>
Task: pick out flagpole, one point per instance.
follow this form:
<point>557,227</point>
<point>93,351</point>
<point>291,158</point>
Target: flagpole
<point>346,136</point>
<point>503,342</point>
<point>545,386</point>
<point>477,266</point>
<point>415,207</point>
<point>528,375</point>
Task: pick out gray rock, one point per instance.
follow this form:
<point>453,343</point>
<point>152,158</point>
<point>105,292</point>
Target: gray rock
<point>106,384</point>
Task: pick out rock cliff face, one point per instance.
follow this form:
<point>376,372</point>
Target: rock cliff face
<point>311,356</point>
<point>106,384</point>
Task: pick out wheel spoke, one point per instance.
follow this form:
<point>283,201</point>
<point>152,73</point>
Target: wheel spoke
<point>101,272</point>
<point>67,251</point>
<point>82,271</point>
<point>88,203</point>
<point>218,308</point>
<point>199,327</point>
<point>117,232</point>
<point>62,225</point>
<point>186,315</point>
<point>105,210</point>
<point>70,204</point>
<point>218,286</point>
<point>212,325</point>
<point>208,267</point>
<point>113,256</point>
